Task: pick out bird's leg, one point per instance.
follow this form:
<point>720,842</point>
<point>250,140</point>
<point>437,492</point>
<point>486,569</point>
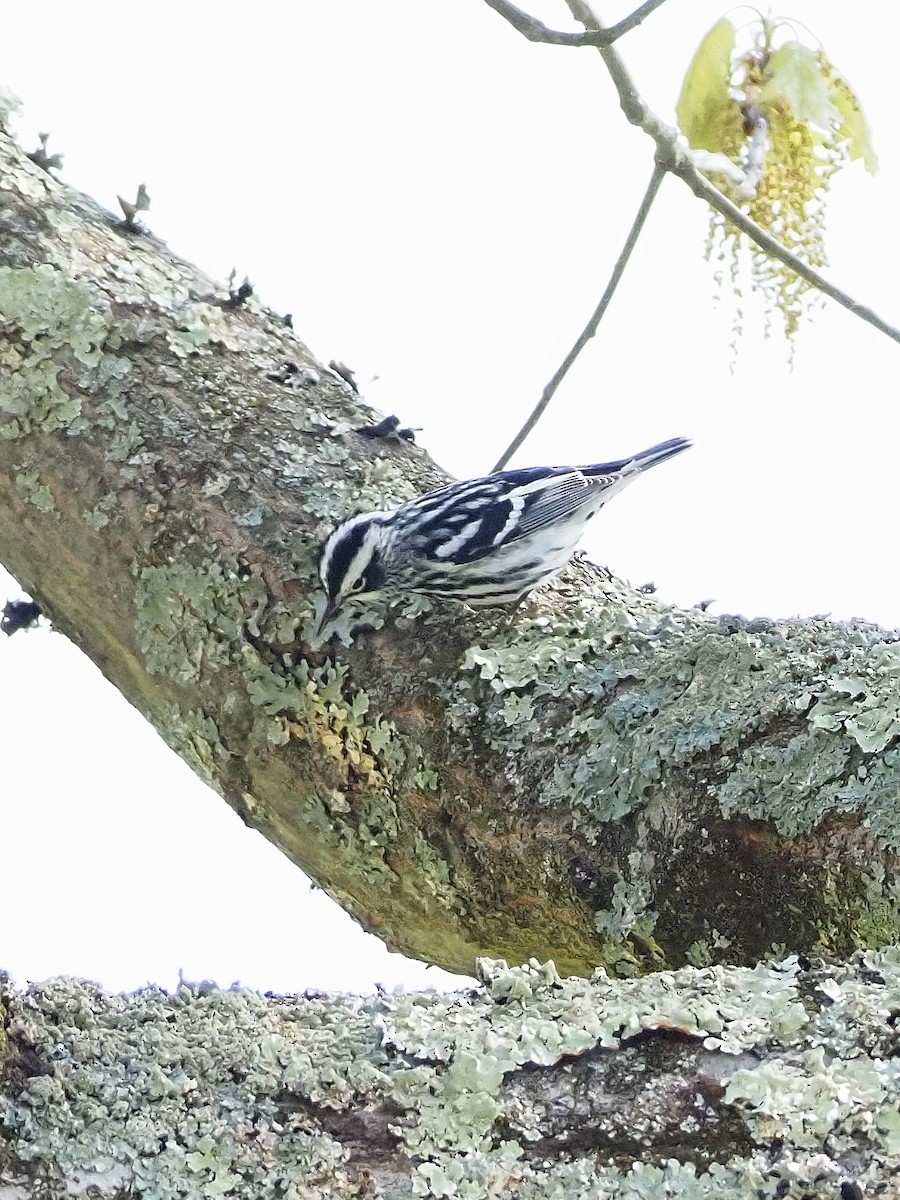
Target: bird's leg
<point>509,614</point>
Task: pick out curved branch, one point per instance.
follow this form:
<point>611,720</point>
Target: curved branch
<point>679,161</point>
<point>536,31</point>
<point>674,156</point>
<point>590,329</point>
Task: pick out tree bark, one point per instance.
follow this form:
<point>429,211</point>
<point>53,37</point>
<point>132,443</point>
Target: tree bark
<point>605,781</point>
<point>705,1084</point>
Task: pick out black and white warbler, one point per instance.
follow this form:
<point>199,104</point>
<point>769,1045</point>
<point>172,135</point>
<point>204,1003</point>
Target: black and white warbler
<point>486,541</point>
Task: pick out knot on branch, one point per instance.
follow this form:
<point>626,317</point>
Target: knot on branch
<point>671,154</point>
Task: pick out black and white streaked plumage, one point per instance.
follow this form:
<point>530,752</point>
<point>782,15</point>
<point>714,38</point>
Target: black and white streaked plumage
<point>486,541</point>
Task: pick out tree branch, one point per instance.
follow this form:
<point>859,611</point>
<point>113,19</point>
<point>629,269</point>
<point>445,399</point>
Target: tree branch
<point>536,31</point>
<point>704,1079</point>
<point>462,789</point>
<point>590,329</point>
<point>614,32</point>
<point>678,160</point>
<point>671,156</point>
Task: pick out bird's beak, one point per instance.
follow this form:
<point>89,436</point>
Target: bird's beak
<point>331,607</point>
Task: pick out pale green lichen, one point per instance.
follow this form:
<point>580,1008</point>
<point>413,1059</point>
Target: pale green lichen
<point>645,1181</point>
<point>516,709</point>
<point>54,324</point>
<point>189,339</point>
<point>863,698</point>
<point>842,761</point>
<point>804,1100</point>
<point>639,693</point>
<point>194,736</point>
<point>382,484</point>
<point>250,518</point>
<point>108,508</point>
<point>30,488</point>
<point>426,779</point>
<point>366,767</point>
<point>189,618</point>
<point>126,442</point>
<point>476,1094</point>
<point>529,1016</point>
<point>149,1083</point>
<point>581,665</point>
<point>629,911</point>
<point>676,732</point>
<point>812,760</point>
<point>701,952</point>
<point>310,703</point>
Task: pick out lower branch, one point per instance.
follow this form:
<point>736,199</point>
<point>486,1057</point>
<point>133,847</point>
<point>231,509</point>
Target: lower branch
<point>718,1084</point>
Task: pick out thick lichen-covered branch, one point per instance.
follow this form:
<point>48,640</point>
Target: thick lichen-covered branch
<point>716,1084</point>
<point>604,780</point>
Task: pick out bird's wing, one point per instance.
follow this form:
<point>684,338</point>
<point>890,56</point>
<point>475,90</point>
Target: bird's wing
<point>465,521</point>
<point>553,500</point>
<point>534,499</point>
<point>487,513</point>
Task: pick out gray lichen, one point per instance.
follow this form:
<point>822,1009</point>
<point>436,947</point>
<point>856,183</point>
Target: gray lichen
<point>623,711</point>
<point>54,325</point>
<point>189,618</point>
<point>643,694</point>
<point>724,1083</point>
<point>29,486</point>
<point>185,1094</point>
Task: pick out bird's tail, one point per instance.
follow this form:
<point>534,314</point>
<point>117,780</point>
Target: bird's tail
<point>629,467</point>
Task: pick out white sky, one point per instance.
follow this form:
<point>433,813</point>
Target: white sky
<point>438,203</point>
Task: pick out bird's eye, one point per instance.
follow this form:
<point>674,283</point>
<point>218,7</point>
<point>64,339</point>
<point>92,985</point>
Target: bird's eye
<point>359,584</point>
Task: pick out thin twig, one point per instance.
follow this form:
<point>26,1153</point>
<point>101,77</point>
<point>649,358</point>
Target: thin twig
<point>679,162</point>
<point>536,31</point>
<point>672,157</point>
<point>614,32</point>
<point>659,172</point>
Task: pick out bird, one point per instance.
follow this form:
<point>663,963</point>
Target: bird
<point>487,541</point>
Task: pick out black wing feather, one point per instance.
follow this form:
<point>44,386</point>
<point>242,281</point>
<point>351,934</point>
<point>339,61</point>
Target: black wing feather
<point>556,502</point>
<point>465,521</point>
<point>494,510</point>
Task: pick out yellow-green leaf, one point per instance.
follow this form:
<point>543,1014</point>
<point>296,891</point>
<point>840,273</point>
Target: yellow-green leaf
<point>707,115</point>
<point>854,126</point>
<point>797,74</point>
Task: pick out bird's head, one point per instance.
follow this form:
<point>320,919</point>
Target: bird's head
<point>352,563</point>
